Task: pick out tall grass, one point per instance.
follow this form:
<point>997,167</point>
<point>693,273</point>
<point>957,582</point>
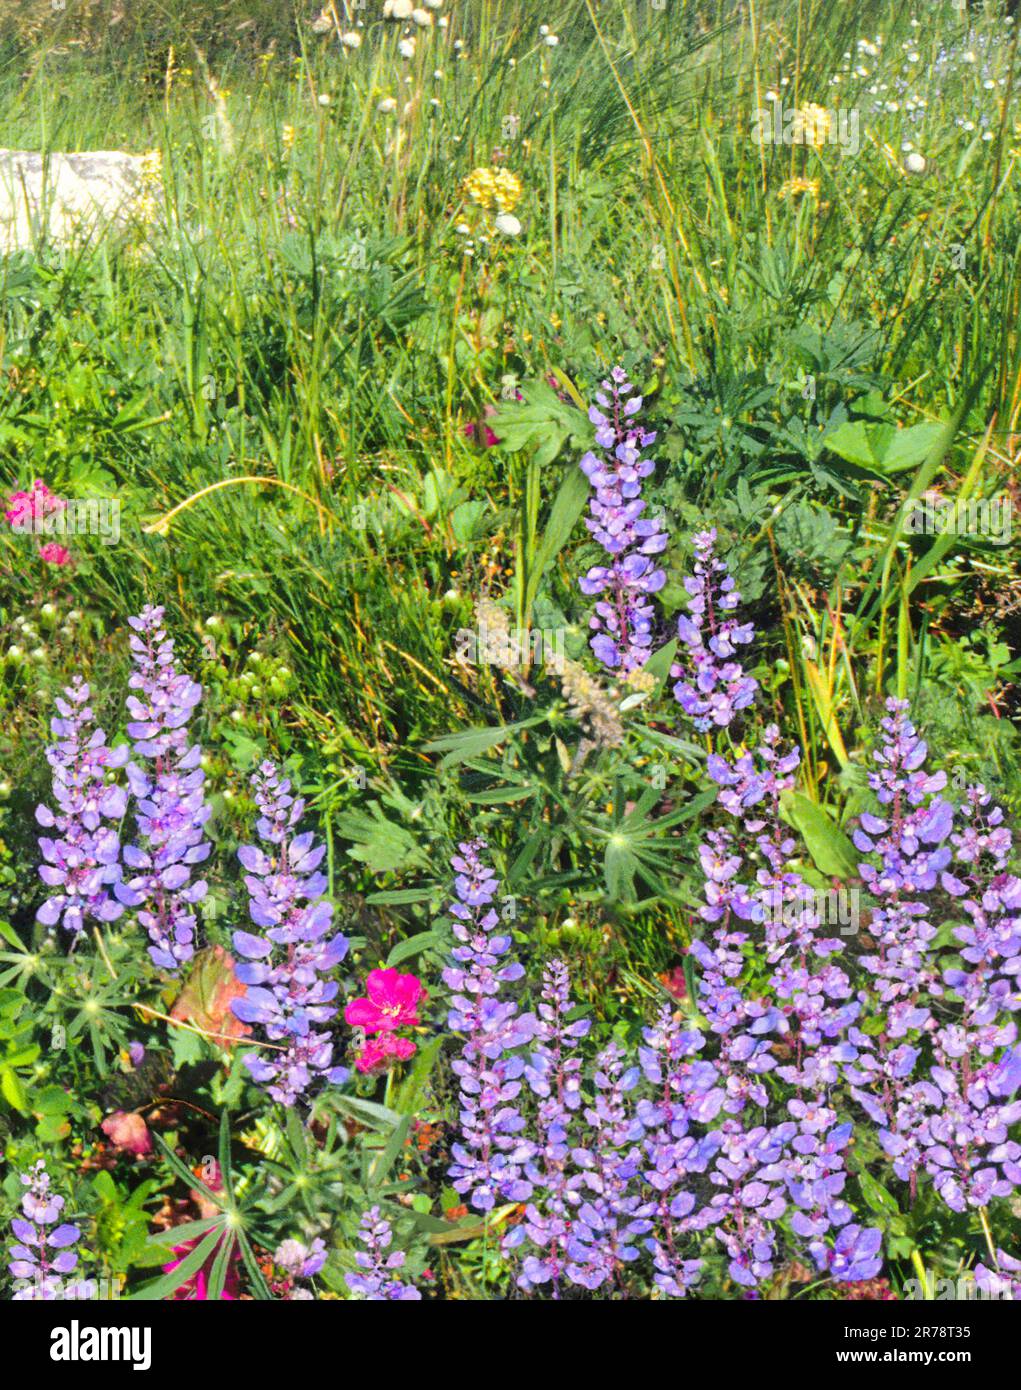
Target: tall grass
<point>278,378</point>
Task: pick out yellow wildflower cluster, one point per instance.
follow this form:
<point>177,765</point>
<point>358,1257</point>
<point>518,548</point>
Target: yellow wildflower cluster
<point>491,189</point>
<point>794,188</point>
<point>812,126</point>
<point>152,178</point>
<point>152,167</point>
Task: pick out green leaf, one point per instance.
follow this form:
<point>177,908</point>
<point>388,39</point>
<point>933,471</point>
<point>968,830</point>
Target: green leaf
<point>832,852</point>
<point>221,1265</point>
<point>381,1116</point>
<point>619,867</point>
<point>567,508</point>
<point>469,744</point>
<point>52,1100</point>
<point>398,897</point>
<point>12,1089</point>
<point>409,1097</point>
<point>380,844</point>
<point>177,1235</point>
<point>883,448</point>
<point>877,1196</point>
<point>499,796</point>
<point>385,1161</point>
<point>10,936</point>
<point>189,1266</point>
<point>404,950</point>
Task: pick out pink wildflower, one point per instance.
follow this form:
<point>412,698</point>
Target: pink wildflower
<point>55,554</point>
<point>490,437</point>
<point>392,1003</point>
<point>129,1132</point>
<point>379,1054</point>
<point>24,508</point>
<point>196,1288</point>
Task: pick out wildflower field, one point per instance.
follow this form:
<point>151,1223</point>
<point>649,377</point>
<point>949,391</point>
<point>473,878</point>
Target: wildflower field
<point>509,654</point>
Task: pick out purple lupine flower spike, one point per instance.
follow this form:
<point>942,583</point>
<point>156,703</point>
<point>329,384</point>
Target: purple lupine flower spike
<point>376,1282</point>
<point>167,784</point>
<point>763,1171</point>
<point>554,1076</point>
<point>624,616</point>
<point>952,1121</point>
<point>687,1091</point>
<point>487,1161</point>
<point>712,686</point>
<point>285,967</point>
<point>910,842</point>
<point>44,1252</point>
<point>613,1210</point>
<point>82,859</point>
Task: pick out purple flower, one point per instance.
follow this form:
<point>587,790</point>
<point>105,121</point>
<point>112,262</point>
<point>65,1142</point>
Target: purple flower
<point>554,1076</point>
<point>909,845</point>
<point>687,1091</point>
<point>44,1250</point>
<point>624,616</point>
<point>82,860</point>
<point>167,785</point>
<point>711,684</point>
<point>285,966</point>
<point>299,1260</point>
<point>489,1158</point>
<point>613,1211</point>
<point>856,1254</point>
<point>377,1281</point>
<point>998,1283</point>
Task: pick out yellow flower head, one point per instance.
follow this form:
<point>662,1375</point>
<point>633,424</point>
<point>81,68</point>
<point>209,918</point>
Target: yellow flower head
<point>152,167</point>
<point>794,188</point>
<point>288,136</point>
<point>492,189</point>
<point>812,126</point>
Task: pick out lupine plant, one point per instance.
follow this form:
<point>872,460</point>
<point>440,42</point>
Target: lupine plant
<point>376,1280</point>
<point>166,784</point>
<point>624,615</point>
<point>553,1076</point>
<point>286,967</point>
<point>82,858</point>
<point>727,1139</point>
<point>44,1251</point>
<point>793,1168</point>
<point>941,1086</point>
<point>489,1158</point>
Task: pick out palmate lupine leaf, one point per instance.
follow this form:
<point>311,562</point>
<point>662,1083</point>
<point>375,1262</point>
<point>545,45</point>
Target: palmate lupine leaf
<point>458,748</point>
<point>223,1234</point>
<point>189,1266</point>
<point>636,846</point>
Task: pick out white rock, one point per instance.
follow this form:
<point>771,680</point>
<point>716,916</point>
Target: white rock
<point>65,195</point>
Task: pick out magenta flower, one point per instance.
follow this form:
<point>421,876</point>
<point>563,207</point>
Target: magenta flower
<point>379,1054</point>
<point>55,554</point>
<point>392,1002</point>
<point>196,1288</point>
<point>30,513</point>
<point>24,509</point>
